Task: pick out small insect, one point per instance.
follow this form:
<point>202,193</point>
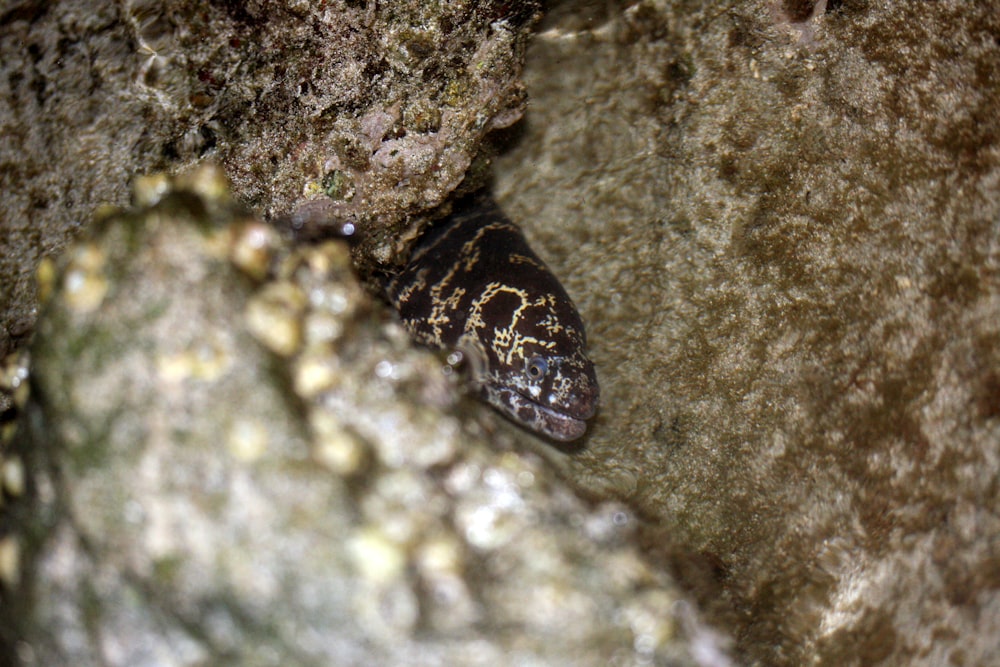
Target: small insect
<point>473,285</point>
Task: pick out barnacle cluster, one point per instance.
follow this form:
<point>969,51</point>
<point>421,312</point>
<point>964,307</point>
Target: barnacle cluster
<point>14,383</point>
<point>246,439</point>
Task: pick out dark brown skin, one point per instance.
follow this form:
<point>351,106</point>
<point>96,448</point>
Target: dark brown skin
<point>474,285</point>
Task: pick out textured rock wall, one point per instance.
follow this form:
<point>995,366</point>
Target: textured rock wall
<point>377,110</point>
<point>780,220</point>
<point>212,468</point>
<point>785,239</point>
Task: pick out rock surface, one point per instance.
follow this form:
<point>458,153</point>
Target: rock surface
<point>783,233</point>
<point>379,111</point>
<point>780,220</point>
<point>228,471</point>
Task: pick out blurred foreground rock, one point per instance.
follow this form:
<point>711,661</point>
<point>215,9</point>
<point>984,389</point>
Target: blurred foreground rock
<point>178,511</point>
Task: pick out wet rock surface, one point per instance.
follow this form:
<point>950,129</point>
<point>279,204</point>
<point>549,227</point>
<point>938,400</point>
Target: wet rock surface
<point>378,110</point>
<point>779,221</point>
<point>783,233</point>
<point>227,469</point>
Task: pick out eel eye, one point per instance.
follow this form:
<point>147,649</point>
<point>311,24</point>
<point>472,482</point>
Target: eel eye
<point>536,368</point>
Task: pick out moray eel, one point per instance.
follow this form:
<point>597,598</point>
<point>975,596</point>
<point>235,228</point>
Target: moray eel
<point>472,284</point>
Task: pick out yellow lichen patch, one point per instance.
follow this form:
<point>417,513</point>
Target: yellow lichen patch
<point>439,556</point>
<point>315,374</point>
<point>45,278</point>
<point>14,377</point>
<point>173,367</point>
<point>218,244</point>
<point>148,190</point>
<point>375,556</point>
<point>334,447</point>
<point>10,561</point>
<point>208,181</point>
<point>247,440</point>
<point>312,189</point>
<point>323,327</point>
<point>274,317</point>
<point>643,615</point>
<point>329,256</point>
<point>207,361</point>
<point>251,248</point>
<point>14,370</point>
<point>105,212</point>
<point>12,475</point>
<point>84,283</point>
<point>21,394</point>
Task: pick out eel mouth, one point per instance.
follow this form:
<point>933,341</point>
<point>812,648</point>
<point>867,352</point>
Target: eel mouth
<point>552,423</point>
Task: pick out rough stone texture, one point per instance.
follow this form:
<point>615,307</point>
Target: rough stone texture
<point>780,220</point>
<point>381,106</point>
<point>180,511</point>
<point>785,241</point>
